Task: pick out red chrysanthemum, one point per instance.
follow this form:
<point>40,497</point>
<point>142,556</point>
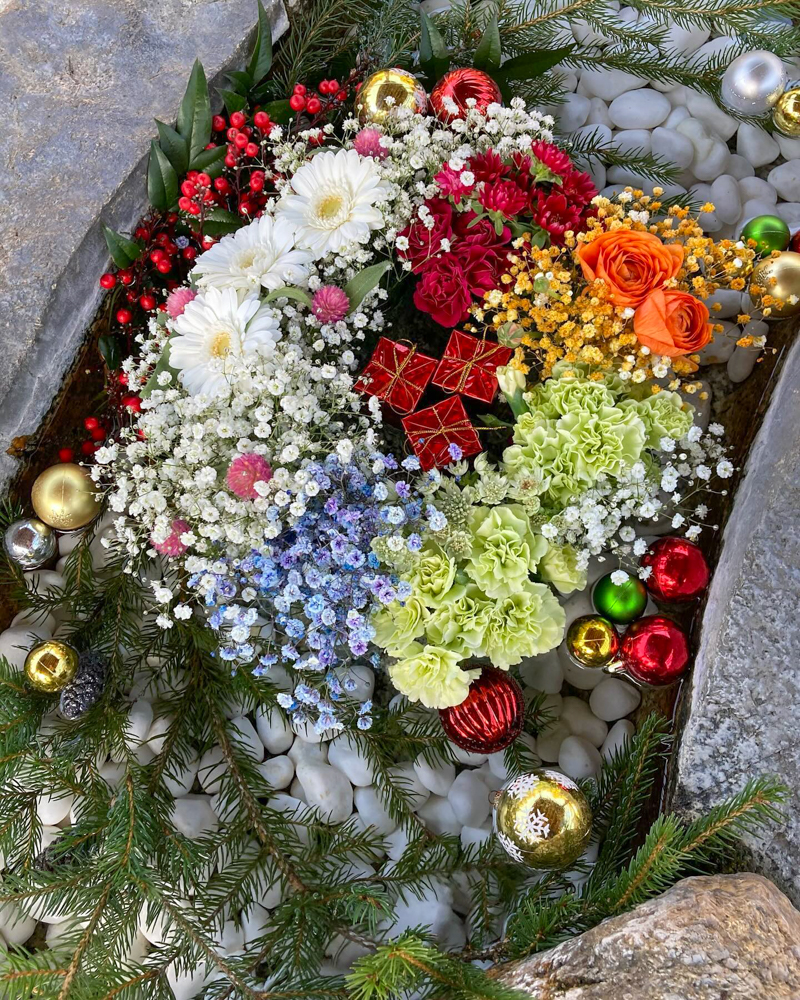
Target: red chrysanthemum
<point>488,166</point>
<point>450,182</point>
<point>555,214</point>
<point>578,188</point>
<point>552,157</point>
<point>505,197</point>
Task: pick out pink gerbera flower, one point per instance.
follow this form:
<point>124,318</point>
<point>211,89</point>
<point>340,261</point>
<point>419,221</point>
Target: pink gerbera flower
<point>178,299</point>
<point>368,143</point>
<point>330,304</point>
<point>172,546</point>
<point>244,472</point>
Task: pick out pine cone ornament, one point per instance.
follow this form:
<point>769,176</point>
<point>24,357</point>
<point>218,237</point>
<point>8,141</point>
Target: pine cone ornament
<point>86,687</point>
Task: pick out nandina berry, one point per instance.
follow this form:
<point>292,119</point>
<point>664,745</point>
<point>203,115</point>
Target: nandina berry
<point>98,433</point>
<point>230,160</point>
<point>251,149</point>
<point>156,255</point>
<point>132,403</point>
<point>122,378</point>
<point>245,207</point>
<point>324,87</point>
<point>162,238</point>
<point>65,454</point>
<point>257,180</point>
<point>131,296</point>
<point>194,209</point>
<point>172,218</point>
<point>204,180</point>
<point>147,302</point>
<point>185,204</point>
<point>164,266</point>
<point>299,88</point>
<point>90,423</point>
<point>240,141</point>
<point>125,276</point>
<point>208,242</point>
<point>188,253</point>
<point>88,448</point>
<point>218,123</point>
<point>108,280</point>
<point>140,233</point>
<point>296,102</point>
<point>313,105</point>
<point>341,96</point>
<point>238,119</point>
<point>222,185</point>
<point>231,134</point>
<point>261,120</point>
<point>192,175</point>
<point>124,316</point>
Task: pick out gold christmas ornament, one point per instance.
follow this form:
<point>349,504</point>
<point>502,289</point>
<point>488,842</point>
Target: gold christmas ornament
<point>387,90</point>
<point>64,497</point>
<point>542,819</point>
<point>592,640</point>
<point>786,113</point>
<point>778,277</point>
<point>51,665</point>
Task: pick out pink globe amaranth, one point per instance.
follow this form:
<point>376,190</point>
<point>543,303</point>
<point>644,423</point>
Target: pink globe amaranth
<point>330,304</point>
<point>178,299</point>
<point>172,546</point>
<point>368,143</point>
<point>243,474</point>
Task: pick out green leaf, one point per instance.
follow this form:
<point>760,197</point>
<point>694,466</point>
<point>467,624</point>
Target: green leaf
<point>123,251</point>
<point>290,292</point>
<point>363,282</point>
<point>175,147</point>
<point>162,365</point>
<point>210,158</point>
<point>433,55</point>
<point>532,64</point>
<point>279,111</point>
<point>488,53</point>
<point>162,181</point>
<point>194,116</point>
<point>490,420</point>
<point>233,101</point>
<point>109,348</point>
<point>242,82</point>
<point>261,58</point>
<point>220,222</point>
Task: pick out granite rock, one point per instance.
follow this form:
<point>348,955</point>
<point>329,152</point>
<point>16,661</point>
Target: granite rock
<point>726,936</point>
<point>81,82</point>
<point>741,705</point>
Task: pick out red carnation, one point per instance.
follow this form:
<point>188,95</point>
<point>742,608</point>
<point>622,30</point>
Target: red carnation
<point>481,251</point>
<point>481,233</point>
<point>482,268</point>
<point>488,166</point>
<point>505,197</point>
<point>424,243</point>
<point>552,157</point>
<point>443,291</point>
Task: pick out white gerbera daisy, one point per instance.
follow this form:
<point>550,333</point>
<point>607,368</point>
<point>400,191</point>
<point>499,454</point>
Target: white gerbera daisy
<point>214,330</point>
<point>333,201</point>
<point>262,254</point>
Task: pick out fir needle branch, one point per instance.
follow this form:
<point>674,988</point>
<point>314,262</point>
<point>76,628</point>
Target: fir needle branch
<point>83,944</point>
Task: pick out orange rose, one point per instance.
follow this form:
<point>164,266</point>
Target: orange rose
<point>672,323</point>
<point>630,263</point>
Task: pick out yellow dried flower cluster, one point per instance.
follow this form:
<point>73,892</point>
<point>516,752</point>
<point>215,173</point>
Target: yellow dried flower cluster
<point>559,315</point>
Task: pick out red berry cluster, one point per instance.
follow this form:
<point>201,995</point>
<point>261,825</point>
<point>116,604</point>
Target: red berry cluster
<point>242,190</point>
<point>317,105</point>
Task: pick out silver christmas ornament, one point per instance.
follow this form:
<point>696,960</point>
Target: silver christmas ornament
<point>30,543</point>
<point>753,82</point>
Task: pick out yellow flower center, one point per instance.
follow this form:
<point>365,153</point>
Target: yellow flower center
<point>330,206</point>
<point>220,345</point>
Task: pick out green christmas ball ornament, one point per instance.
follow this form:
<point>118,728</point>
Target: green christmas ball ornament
<point>621,603</point>
<point>769,232</point>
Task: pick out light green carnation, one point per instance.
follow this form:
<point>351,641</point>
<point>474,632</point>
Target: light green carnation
<point>505,549</point>
<point>432,576</point>
<point>526,623</point>
<point>557,396</point>
<point>460,624</point>
<point>664,414</point>
<point>559,566</point>
<point>536,439</point>
<point>580,370</point>
<point>431,674</point>
<point>593,444</point>
<point>398,624</point>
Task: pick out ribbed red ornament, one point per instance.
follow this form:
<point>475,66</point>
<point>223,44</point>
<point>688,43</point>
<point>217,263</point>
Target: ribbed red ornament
<point>491,715</point>
<point>679,570</point>
<point>460,85</point>
<point>655,650</point>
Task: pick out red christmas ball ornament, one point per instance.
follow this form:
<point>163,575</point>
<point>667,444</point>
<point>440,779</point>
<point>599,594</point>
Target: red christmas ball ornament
<point>794,243</point>
<point>679,570</point>
<point>491,715</point>
<point>459,85</point>
<point>655,651</point>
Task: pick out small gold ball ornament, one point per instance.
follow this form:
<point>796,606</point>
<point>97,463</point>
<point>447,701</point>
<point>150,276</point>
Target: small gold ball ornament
<point>592,640</point>
<point>387,90</point>
<point>542,819</point>
<point>778,277</point>
<point>51,665</point>
<point>786,113</point>
<point>64,497</point>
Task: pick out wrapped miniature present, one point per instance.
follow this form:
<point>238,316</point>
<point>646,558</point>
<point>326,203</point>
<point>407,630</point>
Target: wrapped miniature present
<point>441,434</point>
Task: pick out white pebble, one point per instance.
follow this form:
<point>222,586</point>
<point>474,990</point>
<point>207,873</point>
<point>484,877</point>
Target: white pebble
<point>790,148</point>
<point>705,110</point>
<point>362,676</point>
<point>639,109</point>
<point>277,771</point>
<point>549,740</point>
<point>179,781</point>
<point>30,618</point>
<point>437,778</point>
<point>405,776</point>
<point>186,985</point>
<point>437,813</point>
<point>573,112</point>
<point>137,726</point>
<point>726,198</point>
<point>308,753</point>
<point>350,760</point>
<point>51,810</point>
<point>112,773</point>
<point>609,83</point>
<point>274,730</point>
<point>579,759</point>
<point>722,344</point>
<point>613,699</point>
<point>472,836</point>
<point>255,921</point>
<point>372,810</point>
<point>785,178</point>
<point>583,678</point>
<point>618,735</point>
<point>157,733</point>
<point>739,167</point>
<point>327,790</point>
<point>296,789</point>
<point>729,301</point>
<point>543,673</point>
<point>229,939</point>
<point>469,799</point>
<point>789,211</point>
<point>598,135</point>
<point>397,842</point>
<point>16,643</point>
<point>212,768</point>
<point>43,580</point>
<point>497,766</point>
<point>756,188</point>
<point>742,362</point>
<point>598,113</point>
<point>242,733</point>
<point>685,40</point>
<point>468,757</point>
<point>714,163</point>
<point>756,145</point>
<point>15,927</point>
<point>672,146</point>
<point>193,816</point>
<point>581,721</point>
<point>678,114</point>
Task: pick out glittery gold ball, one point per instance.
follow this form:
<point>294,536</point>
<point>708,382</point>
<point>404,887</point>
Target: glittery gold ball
<point>543,819</point>
<point>779,277</point>
<point>786,113</point>
<point>64,497</point>
<point>592,640</point>
<point>386,90</point>
<point>51,665</point>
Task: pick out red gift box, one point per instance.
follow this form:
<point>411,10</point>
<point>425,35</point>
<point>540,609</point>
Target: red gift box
<point>469,366</point>
<point>434,429</point>
<point>397,373</point>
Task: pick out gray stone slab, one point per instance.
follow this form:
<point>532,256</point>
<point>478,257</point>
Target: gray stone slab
<point>743,709</point>
<point>80,84</point>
